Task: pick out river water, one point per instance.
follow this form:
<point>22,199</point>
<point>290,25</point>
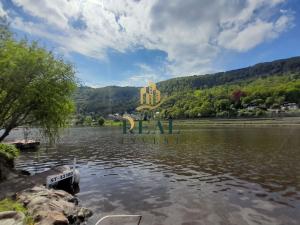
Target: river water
<point>204,175</point>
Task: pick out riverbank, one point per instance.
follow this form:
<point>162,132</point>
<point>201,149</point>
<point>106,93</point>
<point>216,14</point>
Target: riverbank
<point>113,123</point>
<point>42,206</point>
<point>280,121</point>
<point>17,181</point>
<point>24,199</point>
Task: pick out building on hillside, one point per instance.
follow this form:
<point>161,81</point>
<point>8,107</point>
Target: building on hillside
<point>149,95</point>
<point>289,106</point>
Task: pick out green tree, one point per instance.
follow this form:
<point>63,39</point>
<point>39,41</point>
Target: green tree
<point>222,105</point>
<point>101,121</point>
<point>4,31</point>
<point>88,120</point>
<point>260,112</point>
<point>35,88</point>
<point>195,112</point>
<point>207,110</point>
<point>176,112</point>
<point>270,101</point>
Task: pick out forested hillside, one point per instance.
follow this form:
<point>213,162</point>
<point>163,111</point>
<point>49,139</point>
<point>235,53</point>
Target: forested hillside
<point>106,100</point>
<point>260,97</point>
<point>183,94</point>
<point>278,67</point>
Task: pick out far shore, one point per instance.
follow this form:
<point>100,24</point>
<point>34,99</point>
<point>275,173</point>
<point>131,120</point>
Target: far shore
<point>278,121</point>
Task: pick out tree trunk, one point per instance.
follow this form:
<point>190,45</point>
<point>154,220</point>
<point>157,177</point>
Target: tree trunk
<point>5,134</point>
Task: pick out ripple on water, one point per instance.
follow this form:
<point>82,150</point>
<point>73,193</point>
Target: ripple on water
<point>212,176</point>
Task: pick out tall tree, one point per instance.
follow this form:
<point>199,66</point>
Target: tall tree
<point>4,31</point>
<point>35,87</point>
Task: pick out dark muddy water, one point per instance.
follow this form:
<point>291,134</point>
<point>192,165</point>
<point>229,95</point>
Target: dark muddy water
<point>207,176</point>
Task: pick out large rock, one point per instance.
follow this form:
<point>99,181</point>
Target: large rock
<point>52,207</point>
<point>50,218</point>
<point>12,218</point>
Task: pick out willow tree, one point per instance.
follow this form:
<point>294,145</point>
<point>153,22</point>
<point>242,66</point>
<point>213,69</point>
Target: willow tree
<point>35,88</point>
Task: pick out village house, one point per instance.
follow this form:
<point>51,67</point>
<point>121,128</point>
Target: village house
<point>289,106</point>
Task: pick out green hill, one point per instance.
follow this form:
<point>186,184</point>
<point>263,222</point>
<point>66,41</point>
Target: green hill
<point>278,67</point>
<point>114,99</point>
<point>266,96</point>
<point>106,100</point>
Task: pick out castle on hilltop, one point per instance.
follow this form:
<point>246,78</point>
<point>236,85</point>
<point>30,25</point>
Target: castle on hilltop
<point>149,95</point>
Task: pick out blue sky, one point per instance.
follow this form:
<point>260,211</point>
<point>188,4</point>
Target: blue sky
<point>113,42</point>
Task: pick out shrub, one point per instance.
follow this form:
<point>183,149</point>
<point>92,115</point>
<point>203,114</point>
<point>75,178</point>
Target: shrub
<point>101,121</point>
<point>245,113</point>
<point>223,114</point>
<point>260,112</point>
<point>9,151</point>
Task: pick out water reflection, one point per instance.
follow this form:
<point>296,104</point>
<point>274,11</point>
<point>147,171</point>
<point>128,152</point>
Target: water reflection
<point>210,176</point>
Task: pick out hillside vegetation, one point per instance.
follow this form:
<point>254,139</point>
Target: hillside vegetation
<point>106,100</point>
<point>267,69</point>
<point>260,87</point>
<point>243,99</point>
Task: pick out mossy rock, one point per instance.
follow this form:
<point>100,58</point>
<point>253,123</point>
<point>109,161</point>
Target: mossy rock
<point>8,206</point>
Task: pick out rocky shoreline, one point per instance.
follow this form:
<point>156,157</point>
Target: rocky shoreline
<point>50,206</point>
<point>45,206</point>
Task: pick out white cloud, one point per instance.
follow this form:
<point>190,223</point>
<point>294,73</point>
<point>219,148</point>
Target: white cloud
<point>252,35</point>
<point>191,32</point>
<point>283,23</point>
<point>140,80</point>
<point>142,77</point>
<point>2,12</point>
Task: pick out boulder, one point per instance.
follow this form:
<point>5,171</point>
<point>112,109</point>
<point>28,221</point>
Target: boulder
<point>84,213</point>
<point>52,207</point>
<point>12,218</point>
<point>53,218</point>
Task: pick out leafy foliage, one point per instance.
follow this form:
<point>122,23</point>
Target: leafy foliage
<point>8,151</point>
<point>101,121</point>
<point>35,88</point>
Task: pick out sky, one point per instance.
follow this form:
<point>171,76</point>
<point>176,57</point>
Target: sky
<point>130,42</point>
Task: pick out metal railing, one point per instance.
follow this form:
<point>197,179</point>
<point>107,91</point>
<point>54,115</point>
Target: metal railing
<point>139,217</point>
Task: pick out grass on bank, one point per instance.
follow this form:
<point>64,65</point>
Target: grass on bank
<point>11,205</point>
<point>113,123</point>
<point>243,121</point>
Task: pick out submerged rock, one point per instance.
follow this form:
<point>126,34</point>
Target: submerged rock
<point>51,207</point>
